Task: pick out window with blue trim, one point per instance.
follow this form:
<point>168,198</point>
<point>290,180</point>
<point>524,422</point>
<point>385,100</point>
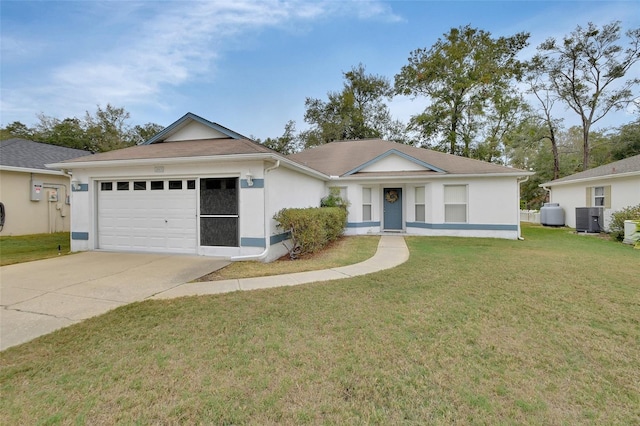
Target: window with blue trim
<point>455,203</point>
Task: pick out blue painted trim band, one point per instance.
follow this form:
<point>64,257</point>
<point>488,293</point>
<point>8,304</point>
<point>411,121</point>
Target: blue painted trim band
<point>84,187</point>
<point>252,242</point>
<point>80,236</point>
<point>362,224</point>
<point>275,239</point>
<point>257,183</point>
<point>463,226</point>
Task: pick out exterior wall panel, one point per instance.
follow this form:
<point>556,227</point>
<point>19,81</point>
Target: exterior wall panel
<point>23,216</point>
<point>625,192</point>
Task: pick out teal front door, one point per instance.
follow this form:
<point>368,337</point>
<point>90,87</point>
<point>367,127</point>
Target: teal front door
<point>393,209</point>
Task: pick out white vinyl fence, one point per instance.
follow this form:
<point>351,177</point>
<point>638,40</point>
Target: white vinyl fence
<point>532,216</point>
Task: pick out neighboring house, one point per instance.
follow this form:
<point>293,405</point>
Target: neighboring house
<point>35,199</point>
<point>200,188</point>
<point>612,187</point>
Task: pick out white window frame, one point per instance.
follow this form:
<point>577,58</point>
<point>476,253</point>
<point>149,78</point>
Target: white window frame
<point>456,203</point>
<point>420,202</point>
<point>599,195</point>
<point>367,208</point>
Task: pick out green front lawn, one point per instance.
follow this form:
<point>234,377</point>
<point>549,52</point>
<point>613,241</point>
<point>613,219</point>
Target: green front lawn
<point>25,248</point>
<point>345,251</point>
<point>479,331</point>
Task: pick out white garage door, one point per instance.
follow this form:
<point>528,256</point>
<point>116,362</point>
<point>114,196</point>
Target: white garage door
<point>148,215</point>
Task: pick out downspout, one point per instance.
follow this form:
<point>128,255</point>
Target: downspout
<point>519,228</point>
<point>262,255</point>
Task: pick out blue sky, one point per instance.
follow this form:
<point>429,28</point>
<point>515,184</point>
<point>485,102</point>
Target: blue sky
<point>247,65</point>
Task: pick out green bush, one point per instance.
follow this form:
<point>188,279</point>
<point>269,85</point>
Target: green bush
<point>616,228</point>
<point>311,228</point>
<point>334,199</point>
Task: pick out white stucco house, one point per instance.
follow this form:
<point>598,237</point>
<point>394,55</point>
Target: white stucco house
<point>200,188</point>
<point>607,188</point>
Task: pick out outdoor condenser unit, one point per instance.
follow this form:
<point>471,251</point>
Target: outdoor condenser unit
<point>589,219</point>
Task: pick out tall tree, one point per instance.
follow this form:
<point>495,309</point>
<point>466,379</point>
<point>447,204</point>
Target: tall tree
<point>626,142</point>
<point>461,74</point>
<point>142,133</point>
<point>287,143</point>
<point>105,130</point>
<point>16,130</point>
<point>69,132</point>
<point>545,100</point>
<point>108,129</point>
<point>583,68</point>
<point>358,111</point>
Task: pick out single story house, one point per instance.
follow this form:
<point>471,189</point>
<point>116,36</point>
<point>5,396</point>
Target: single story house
<point>200,188</point>
<point>609,188</point>
<point>34,199</point>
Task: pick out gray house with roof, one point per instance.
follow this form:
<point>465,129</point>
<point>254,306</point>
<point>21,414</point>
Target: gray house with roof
<point>200,188</point>
<point>609,188</point>
<point>34,199</point>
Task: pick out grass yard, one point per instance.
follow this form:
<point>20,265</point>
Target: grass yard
<point>468,331</point>
<point>24,248</point>
<point>344,251</point>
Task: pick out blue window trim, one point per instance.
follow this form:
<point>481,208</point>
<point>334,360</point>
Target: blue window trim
<point>362,224</point>
<point>257,183</point>
<point>252,242</point>
<point>464,226</point>
<point>275,239</point>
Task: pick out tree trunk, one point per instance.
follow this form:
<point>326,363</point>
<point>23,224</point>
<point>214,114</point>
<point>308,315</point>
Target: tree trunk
<point>585,145</point>
<point>452,136</point>
<point>554,151</point>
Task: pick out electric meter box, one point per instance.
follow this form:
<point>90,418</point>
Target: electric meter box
<point>53,195</point>
<point>36,190</point>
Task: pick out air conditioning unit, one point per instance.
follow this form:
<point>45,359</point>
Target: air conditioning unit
<point>589,219</point>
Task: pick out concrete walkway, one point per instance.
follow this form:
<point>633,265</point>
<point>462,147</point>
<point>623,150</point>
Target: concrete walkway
<point>392,251</point>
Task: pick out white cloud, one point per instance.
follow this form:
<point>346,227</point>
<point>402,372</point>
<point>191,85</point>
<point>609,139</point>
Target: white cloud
<point>168,44</point>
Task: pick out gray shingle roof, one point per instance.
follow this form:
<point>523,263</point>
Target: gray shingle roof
<point>180,149</point>
<point>628,165</point>
<point>346,158</point>
<point>34,155</point>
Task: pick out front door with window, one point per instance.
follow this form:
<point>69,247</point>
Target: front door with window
<point>219,212</point>
<point>393,209</point>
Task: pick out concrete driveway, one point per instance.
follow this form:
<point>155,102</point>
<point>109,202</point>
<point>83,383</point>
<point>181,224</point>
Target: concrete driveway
<point>39,297</point>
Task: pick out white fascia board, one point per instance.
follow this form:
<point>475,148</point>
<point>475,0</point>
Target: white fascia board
<point>183,160</point>
<point>147,161</point>
<point>589,179</point>
<point>302,169</point>
<point>29,170</point>
<point>436,176</point>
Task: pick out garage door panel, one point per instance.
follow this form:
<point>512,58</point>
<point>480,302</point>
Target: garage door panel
<point>148,220</point>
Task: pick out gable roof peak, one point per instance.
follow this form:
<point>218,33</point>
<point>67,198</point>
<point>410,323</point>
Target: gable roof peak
<point>189,118</point>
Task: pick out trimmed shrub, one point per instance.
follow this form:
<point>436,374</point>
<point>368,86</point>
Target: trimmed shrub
<point>616,228</point>
<point>311,228</point>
